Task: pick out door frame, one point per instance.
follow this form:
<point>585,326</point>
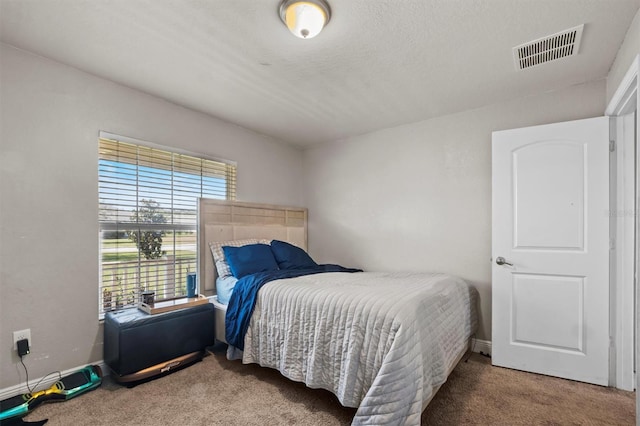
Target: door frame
<point>625,257</point>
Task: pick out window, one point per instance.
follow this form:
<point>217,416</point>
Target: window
<point>148,225</point>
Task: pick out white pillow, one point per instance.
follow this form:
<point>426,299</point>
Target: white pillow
<point>222,266</point>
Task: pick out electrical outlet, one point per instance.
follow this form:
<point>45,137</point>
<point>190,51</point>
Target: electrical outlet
<point>19,335</point>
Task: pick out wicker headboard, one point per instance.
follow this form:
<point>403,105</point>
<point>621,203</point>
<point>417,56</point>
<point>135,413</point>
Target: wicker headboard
<point>222,220</point>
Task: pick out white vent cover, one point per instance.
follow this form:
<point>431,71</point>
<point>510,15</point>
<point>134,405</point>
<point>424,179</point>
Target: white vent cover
<point>547,49</point>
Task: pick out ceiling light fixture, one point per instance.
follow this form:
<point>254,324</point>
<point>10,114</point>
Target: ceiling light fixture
<point>305,19</point>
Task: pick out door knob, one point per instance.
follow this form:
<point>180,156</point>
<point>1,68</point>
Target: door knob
<point>500,261</point>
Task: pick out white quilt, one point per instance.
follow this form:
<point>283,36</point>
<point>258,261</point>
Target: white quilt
<point>381,342</point>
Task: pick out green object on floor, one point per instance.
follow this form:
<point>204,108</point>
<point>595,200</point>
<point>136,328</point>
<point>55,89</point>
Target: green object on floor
<point>68,387</point>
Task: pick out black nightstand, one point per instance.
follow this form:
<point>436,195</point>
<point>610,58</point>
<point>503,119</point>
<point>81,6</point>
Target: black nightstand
<point>138,346</point>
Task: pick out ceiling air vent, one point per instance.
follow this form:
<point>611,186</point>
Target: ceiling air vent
<point>547,49</point>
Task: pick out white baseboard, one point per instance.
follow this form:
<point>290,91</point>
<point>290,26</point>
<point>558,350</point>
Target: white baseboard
<point>479,346</point>
<point>47,382</point>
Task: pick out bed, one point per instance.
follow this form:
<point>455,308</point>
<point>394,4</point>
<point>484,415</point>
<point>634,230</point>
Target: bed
<point>382,342</point>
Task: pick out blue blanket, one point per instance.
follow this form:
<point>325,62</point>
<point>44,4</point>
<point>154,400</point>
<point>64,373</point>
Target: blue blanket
<point>245,292</point>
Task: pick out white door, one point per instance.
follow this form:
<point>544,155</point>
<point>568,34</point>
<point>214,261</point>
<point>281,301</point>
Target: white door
<point>551,223</point>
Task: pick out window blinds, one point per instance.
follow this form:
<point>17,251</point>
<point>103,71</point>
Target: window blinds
<point>147,215</point>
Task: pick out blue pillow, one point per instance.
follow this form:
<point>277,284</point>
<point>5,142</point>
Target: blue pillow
<point>224,288</point>
<point>250,259</point>
<point>289,256</point>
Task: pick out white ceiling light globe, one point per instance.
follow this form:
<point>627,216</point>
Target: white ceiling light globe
<point>305,19</point>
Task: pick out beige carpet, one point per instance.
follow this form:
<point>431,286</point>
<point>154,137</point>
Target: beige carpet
<point>217,391</point>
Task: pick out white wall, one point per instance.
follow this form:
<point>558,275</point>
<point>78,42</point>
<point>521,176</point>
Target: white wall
<point>418,197</point>
<point>51,115</point>
<point>629,49</point>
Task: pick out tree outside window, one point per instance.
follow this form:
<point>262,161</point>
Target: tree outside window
<point>149,243</point>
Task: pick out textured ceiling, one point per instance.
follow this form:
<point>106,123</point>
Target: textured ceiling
<point>378,63</point>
